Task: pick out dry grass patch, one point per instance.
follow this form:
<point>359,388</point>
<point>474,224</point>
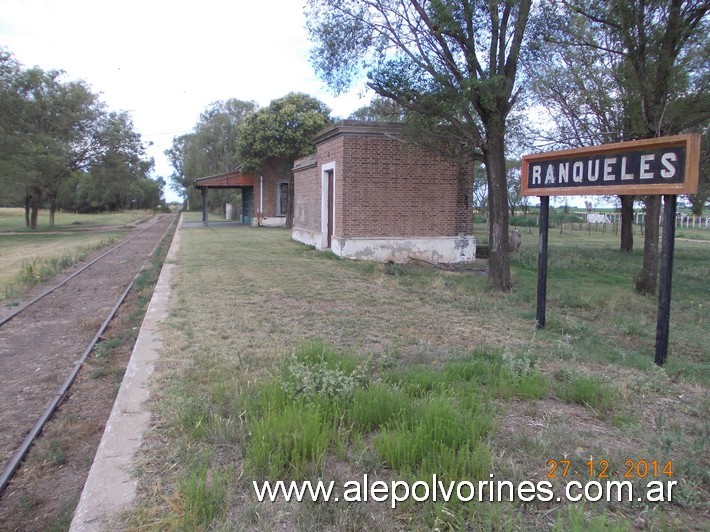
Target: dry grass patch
<point>413,360</point>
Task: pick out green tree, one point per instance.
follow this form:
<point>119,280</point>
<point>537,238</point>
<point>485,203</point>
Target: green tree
<point>59,129</point>
<point>655,54</point>
<point>181,177</point>
<point>57,142</point>
<point>210,148</point>
<point>699,200</point>
<point>279,134</point>
<point>515,199</point>
<point>11,105</point>
<point>120,169</point>
<point>382,110</point>
<point>583,93</point>
<point>456,62</point>
<point>18,180</point>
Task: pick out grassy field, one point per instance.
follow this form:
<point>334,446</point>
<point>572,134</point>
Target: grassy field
<point>28,257</point>
<point>281,362</point>
<point>13,220</point>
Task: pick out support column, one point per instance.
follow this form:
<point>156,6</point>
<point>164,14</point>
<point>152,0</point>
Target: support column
<point>203,190</point>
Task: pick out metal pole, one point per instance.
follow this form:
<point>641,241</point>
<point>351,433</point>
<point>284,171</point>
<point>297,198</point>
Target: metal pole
<point>542,261</point>
<point>664,290</point>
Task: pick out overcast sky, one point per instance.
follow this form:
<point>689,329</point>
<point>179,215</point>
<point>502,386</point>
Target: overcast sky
<point>166,61</point>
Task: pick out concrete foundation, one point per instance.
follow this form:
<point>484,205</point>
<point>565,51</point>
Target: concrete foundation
<point>432,249</point>
<point>445,250</point>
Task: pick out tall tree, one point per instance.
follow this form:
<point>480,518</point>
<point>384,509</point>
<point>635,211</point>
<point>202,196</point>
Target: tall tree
<point>699,200</point>
<point>583,92</point>
<point>281,133</point>
<point>660,49</point>
<point>381,109</point>
<point>217,132</point>
<point>11,106</point>
<point>60,120</point>
<point>455,61</point>
<point>211,147</point>
<point>54,133</point>
<point>178,156</point>
<point>120,169</point>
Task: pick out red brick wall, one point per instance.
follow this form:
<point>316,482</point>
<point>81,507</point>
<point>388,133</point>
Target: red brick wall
<point>307,199</point>
<point>384,188</point>
<point>398,190</point>
<point>329,152</point>
<point>272,174</point>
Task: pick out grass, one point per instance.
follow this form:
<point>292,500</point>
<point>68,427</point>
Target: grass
<point>13,220</point>
<point>280,363</point>
<point>26,260</point>
<point>29,257</point>
<point>588,391</point>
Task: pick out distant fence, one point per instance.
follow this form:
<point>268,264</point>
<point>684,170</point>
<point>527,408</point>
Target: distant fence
<point>682,220</point>
<point>600,221</point>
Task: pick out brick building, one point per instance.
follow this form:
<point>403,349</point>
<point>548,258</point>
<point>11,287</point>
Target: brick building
<point>366,194</point>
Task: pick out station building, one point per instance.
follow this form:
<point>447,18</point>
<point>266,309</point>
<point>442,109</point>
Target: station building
<point>368,194</point>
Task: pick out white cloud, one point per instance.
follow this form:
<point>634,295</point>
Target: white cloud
<point>166,61</point>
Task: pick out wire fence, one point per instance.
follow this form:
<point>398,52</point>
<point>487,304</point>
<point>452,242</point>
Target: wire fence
<point>606,222</point>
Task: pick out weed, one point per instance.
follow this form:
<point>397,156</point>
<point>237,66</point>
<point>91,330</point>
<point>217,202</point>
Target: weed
<point>292,439</point>
<point>589,391</point>
<point>573,518</point>
<point>313,372</point>
<point>105,348</point>
<point>56,454</point>
<point>64,517</point>
<point>193,414</point>
<point>377,405</point>
<point>438,437</point>
<point>329,255</point>
<point>28,501</point>
<point>203,493</point>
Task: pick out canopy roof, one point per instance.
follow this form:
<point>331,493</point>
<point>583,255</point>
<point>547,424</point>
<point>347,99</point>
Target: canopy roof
<point>228,180</point>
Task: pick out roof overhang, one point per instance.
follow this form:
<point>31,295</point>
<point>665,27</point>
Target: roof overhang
<point>228,180</point>
<point>360,128</point>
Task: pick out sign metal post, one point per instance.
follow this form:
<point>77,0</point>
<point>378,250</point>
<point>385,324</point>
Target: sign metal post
<point>544,225</point>
<point>664,288</point>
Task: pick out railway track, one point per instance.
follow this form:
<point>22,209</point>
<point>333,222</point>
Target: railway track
<point>45,341</point>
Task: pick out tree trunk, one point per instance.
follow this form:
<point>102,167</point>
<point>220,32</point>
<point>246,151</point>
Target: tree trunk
<point>28,198</point>
<point>648,277</point>
<point>52,208</point>
<point>499,256</point>
<point>627,224</point>
<point>34,211</point>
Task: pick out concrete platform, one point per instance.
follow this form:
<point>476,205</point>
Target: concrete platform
<point>111,486</point>
<point>217,223</point>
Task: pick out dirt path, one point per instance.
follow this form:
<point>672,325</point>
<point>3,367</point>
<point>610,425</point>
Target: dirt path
<point>39,347</point>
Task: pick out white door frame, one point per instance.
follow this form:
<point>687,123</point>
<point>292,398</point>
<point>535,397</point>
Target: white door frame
<point>325,193</point>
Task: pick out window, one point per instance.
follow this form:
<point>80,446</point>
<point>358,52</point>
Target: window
<point>282,199</point>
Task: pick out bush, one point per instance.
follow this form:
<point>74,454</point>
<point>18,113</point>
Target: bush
<point>524,221</point>
<point>565,218</point>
